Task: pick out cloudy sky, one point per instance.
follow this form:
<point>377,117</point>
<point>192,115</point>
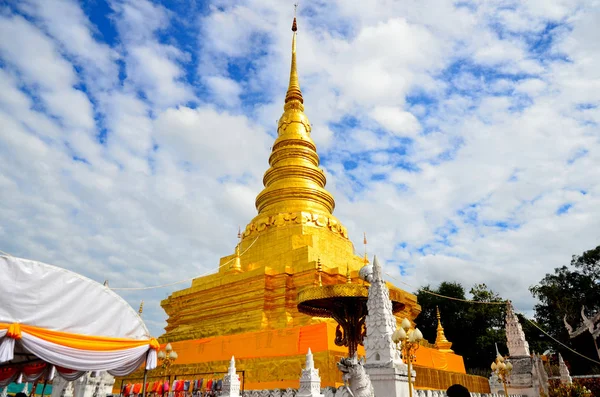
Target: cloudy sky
<point>463,137</point>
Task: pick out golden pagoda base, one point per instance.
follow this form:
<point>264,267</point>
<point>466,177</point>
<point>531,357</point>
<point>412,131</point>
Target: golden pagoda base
<point>274,359</point>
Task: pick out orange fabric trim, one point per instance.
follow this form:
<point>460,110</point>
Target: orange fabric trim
<point>14,331</point>
<point>78,341</point>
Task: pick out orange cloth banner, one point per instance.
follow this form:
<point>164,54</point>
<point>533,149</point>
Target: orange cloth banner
<point>77,341</point>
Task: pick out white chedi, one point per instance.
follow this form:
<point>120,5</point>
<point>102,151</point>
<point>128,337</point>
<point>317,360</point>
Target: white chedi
<point>231,381</point>
<point>310,381</point>
<point>565,376</point>
<point>380,321</point>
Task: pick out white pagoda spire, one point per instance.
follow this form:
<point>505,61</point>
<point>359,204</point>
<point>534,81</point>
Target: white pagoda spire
<point>515,337</point>
<point>565,376</point>
<point>380,323</point>
<point>231,381</point>
<point>310,381</point>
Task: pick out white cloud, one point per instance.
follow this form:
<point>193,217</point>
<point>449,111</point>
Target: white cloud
<point>226,90</point>
<point>396,120</point>
<point>35,55</point>
<point>65,21</point>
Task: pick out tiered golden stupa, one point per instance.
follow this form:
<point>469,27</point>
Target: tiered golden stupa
<point>248,308</point>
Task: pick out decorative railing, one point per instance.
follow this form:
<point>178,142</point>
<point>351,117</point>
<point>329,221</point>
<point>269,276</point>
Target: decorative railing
<point>343,392</point>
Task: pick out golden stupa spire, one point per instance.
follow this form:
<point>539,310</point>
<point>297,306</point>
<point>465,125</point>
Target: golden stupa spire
<point>293,92</point>
<point>141,310</point>
<point>441,343</point>
<point>294,183</point>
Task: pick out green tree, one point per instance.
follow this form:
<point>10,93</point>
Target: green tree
<point>563,293</point>
<point>452,311</point>
<point>473,328</point>
<point>486,321</point>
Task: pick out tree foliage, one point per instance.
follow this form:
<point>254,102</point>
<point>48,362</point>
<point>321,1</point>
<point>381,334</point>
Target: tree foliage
<point>563,293</point>
<point>471,327</point>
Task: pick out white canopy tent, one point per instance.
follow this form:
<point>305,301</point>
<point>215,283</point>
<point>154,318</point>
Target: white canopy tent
<point>54,318</point>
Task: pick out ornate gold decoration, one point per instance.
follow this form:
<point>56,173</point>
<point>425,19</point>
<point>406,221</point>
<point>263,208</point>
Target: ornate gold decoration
<point>441,343</point>
<point>295,218</point>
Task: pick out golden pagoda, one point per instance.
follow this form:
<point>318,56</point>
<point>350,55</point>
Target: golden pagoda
<point>248,308</point>
<point>441,343</point>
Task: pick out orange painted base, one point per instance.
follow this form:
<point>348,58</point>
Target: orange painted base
<point>275,358</point>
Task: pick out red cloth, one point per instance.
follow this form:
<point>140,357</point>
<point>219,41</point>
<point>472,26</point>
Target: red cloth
<point>180,385</point>
<point>137,388</point>
<point>166,386</point>
<point>209,384</point>
<point>128,389</point>
<point>7,374</point>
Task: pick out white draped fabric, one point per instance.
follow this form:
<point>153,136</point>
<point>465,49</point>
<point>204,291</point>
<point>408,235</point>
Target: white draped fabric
<point>7,347</point>
<point>53,298</point>
<point>84,360</point>
<point>69,321</point>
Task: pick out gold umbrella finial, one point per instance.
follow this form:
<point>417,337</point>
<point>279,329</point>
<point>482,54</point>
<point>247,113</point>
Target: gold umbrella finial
<point>236,266</point>
<point>141,308</point>
<point>348,278</point>
<point>319,270</point>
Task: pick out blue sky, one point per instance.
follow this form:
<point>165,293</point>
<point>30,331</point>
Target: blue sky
<point>462,137</point>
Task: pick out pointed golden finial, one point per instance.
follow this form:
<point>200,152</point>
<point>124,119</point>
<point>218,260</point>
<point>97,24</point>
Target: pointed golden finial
<point>319,270</point>
<point>366,259</point>
<point>293,97</point>
<point>141,308</point>
<point>348,278</point>
<point>237,247</point>
<point>441,343</point>
<point>236,266</point>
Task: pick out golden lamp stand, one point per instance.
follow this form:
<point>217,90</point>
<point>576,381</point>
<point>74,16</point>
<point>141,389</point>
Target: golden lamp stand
<point>407,340</point>
<point>502,368</point>
<point>167,357</point>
